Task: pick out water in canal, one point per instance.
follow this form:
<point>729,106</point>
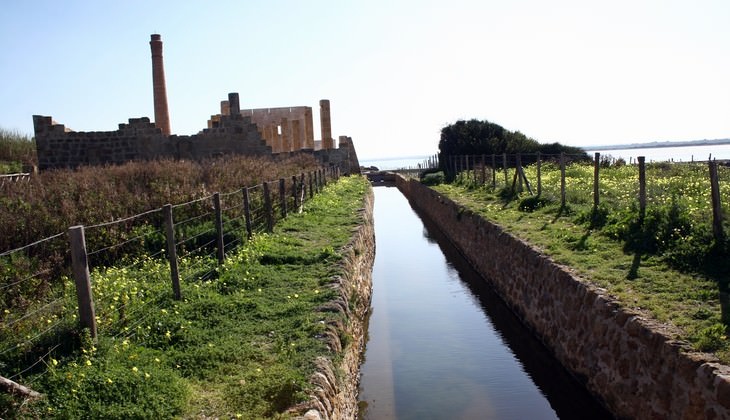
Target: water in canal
<point>442,345</point>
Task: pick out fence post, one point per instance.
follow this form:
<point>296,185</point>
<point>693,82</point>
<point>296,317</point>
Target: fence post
<point>295,191</point>
<point>221,253</point>
<point>484,171</point>
<point>303,192</point>
<point>172,251</point>
<point>539,174</point>
<point>596,165</point>
<point>518,171</point>
<point>247,212</point>
<point>562,179</point>
<point>642,188</point>
<point>311,185</point>
<point>82,278</point>
<point>717,229</point>
<point>268,209</point>
<point>282,196</point>
<point>494,171</point>
<point>504,166</point>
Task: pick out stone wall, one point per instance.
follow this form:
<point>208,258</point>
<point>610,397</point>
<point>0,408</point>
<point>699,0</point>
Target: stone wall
<point>140,139</point>
<point>629,362</point>
<point>336,387</point>
<point>231,132</point>
<point>284,129</point>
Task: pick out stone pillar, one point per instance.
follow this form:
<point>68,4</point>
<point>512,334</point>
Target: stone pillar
<point>159,91</point>
<point>225,108</point>
<point>296,135</point>
<point>308,130</point>
<point>269,137</point>
<point>326,123</point>
<point>234,108</point>
<point>343,141</point>
<point>285,135</point>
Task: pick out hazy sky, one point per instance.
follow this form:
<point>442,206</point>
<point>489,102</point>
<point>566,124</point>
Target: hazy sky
<point>578,72</point>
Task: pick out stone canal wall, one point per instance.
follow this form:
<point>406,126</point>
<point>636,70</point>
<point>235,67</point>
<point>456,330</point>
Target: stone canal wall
<point>336,387</point>
<point>629,362</point>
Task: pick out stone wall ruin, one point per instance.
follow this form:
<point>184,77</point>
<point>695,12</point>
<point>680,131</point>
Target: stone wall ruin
<point>254,132</point>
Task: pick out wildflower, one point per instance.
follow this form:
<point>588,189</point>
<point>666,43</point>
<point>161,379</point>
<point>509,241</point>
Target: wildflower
<point>157,360</point>
<point>109,381</point>
<point>88,363</point>
<point>54,362</point>
<point>134,369</point>
<point>146,375</point>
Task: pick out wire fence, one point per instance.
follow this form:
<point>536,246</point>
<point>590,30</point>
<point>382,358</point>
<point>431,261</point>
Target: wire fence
<point>702,188</point>
<point>85,277</point>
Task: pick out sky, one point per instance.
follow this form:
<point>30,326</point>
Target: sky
<point>579,72</point>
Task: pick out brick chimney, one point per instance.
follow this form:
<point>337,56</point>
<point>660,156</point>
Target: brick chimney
<point>159,91</point>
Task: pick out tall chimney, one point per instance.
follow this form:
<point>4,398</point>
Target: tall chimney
<point>159,91</point>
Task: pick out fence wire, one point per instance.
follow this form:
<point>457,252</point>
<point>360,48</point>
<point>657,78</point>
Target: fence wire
<point>38,312</point>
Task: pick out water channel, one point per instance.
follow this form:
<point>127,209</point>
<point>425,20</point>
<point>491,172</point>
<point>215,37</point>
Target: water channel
<point>442,345</point>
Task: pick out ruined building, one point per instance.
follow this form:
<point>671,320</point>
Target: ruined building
<point>267,131</point>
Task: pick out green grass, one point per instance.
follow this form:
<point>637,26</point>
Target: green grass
<point>241,345</point>
<point>658,280</point>
<point>16,150</point>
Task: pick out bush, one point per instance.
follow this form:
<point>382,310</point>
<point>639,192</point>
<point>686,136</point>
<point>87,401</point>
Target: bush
<point>435,178</point>
<point>533,203</point>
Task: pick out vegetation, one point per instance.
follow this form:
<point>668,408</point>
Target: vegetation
<point>476,137</point>
<point>668,265</point>
<point>16,150</point>
<point>51,202</point>
<point>239,345</point>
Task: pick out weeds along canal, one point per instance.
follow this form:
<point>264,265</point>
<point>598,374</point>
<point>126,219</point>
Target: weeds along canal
<point>442,345</point>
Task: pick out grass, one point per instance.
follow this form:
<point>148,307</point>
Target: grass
<point>16,150</point>
<point>686,288</point>
<point>241,345</point>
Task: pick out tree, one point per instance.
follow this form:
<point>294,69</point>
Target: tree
<point>476,137</point>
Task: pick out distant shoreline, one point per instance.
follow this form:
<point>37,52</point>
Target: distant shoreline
<point>657,144</point>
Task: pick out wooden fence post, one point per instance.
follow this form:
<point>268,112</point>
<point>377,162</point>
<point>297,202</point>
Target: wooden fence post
<point>504,166</point>
<point>172,251</point>
<point>562,179</point>
<point>494,171</point>
<point>642,189</point>
<point>303,191</point>
<point>596,166</point>
<point>295,191</point>
<point>221,252</point>
<point>82,279</point>
<point>247,212</point>
<point>717,216</point>
<point>268,209</point>
<point>539,174</point>
<point>282,196</point>
<point>311,185</point>
<point>484,171</point>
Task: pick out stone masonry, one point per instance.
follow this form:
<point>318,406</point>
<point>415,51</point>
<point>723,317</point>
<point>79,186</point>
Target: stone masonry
<point>140,139</point>
<point>627,360</point>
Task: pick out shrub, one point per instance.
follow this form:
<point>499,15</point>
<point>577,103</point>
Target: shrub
<point>435,178</point>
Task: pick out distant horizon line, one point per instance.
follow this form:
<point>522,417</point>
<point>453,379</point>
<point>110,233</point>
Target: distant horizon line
<point>658,144</point>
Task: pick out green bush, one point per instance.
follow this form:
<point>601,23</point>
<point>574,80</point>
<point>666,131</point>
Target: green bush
<point>533,203</point>
<point>435,178</point>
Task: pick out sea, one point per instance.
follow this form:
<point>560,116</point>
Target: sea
<point>651,154</point>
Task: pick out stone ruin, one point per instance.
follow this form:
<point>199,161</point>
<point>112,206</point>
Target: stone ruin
<point>254,132</point>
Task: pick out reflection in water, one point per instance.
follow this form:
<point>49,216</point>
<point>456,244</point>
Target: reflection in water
<point>442,344</point>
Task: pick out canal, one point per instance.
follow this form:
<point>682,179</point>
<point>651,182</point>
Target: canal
<point>442,345</point>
